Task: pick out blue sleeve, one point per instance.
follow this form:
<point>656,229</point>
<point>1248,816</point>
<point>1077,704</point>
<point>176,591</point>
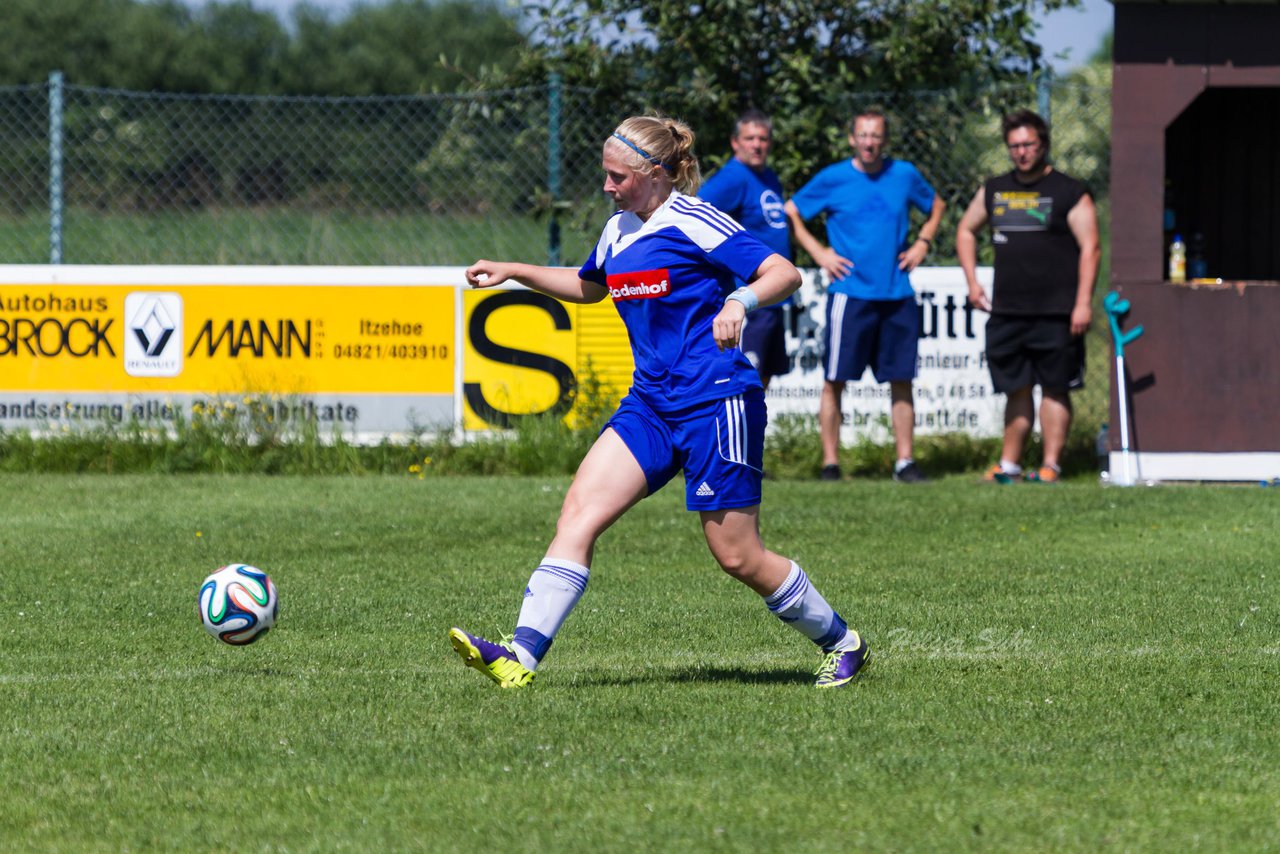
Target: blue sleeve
<point>723,192</point>
<point>590,271</point>
<point>921,194</point>
<point>740,254</point>
<point>812,198</point>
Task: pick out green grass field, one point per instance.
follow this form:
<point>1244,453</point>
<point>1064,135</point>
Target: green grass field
<point>1067,668</point>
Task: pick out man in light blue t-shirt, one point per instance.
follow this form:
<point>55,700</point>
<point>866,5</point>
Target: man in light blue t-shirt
<point>871,314</point>
<point>749,191</point>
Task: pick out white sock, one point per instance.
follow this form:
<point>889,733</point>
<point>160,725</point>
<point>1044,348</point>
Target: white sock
<point>1010,468</point>
<point>554,588</point>
<point>901,464</point>
<point>799,604</point>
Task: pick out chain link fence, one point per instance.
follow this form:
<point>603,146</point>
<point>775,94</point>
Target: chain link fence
<point>91,175</point>
<point>104,176</point>
<point>101,176</point>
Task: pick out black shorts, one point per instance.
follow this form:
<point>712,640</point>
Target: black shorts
<point>1034,350</point>
<point>764,341</point>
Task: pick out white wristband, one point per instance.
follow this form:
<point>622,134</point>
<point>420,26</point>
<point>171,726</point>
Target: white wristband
<point>747,297</point>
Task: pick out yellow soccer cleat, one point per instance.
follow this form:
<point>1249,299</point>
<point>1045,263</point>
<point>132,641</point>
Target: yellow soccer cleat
<point>497,661</point>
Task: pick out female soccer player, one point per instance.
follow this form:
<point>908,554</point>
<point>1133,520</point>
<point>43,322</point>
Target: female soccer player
<point>668,261</point>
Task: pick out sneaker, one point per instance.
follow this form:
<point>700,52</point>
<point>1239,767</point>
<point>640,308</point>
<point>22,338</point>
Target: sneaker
<point>496,660</point>
<point>840,666</point>
<point>910,473</point>
<point>995,474</point>
<point>1044,474</point>
<point>829,472</point>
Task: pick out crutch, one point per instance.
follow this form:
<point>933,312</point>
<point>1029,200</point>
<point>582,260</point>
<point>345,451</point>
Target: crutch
<point>1117,308</point>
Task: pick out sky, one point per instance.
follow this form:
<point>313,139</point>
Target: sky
<point>1078,32</point>
<point>1068,36</point>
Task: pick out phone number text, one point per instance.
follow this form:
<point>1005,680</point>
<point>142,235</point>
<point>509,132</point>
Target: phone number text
<point>391,351</point>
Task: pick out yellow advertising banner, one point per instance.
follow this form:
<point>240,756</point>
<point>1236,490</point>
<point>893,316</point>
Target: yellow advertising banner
<point>227,339</point>
<point>369,351</point>
<point>373,351</point>
<point>528,354</point>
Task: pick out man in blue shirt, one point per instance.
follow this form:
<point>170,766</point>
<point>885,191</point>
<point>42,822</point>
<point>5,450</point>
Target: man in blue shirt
<point>749,191</point>
<point>872,318</point>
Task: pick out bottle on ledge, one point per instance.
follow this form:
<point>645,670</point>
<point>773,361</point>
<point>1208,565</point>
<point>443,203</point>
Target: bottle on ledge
<point>1177,260</point>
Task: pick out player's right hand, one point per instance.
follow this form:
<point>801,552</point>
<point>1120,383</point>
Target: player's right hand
<point>726,328</point>
<point>487,274</point>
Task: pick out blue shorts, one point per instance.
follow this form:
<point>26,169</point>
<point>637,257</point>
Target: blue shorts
<point>882,334</point>
<point>764,341</point>
<point>719,445</point>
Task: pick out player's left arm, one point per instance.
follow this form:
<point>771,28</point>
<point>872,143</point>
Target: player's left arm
<point>914,254</point>
<point>773,281</point>
<point>1083,222</point>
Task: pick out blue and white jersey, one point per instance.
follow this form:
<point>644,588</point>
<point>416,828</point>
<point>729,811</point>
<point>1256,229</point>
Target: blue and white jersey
<point>668,278</point>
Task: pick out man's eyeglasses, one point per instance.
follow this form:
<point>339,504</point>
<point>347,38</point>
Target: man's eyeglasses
<point>1023,146</point>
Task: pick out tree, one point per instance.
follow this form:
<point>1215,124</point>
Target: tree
<point>399,47</point>
<point>79,37</point>
<point>229,48</point>
<point>232,46</point>
<point>806,62</point>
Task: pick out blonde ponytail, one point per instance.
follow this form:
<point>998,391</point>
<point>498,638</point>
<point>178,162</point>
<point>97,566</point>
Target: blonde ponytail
<point>653,143</point>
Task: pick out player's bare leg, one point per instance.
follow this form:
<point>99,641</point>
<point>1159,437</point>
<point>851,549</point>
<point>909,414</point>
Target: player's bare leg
<point>734,539</point>
<point>609,480</point>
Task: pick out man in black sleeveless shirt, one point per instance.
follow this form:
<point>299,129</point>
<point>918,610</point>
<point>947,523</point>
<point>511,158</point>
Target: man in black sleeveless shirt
<point>1045,231</point>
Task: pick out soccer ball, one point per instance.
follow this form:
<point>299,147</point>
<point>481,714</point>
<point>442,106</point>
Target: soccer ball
<point>238,604</point>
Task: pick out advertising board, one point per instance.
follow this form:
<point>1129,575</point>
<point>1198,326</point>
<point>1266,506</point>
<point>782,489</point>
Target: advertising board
<point>373,352</point>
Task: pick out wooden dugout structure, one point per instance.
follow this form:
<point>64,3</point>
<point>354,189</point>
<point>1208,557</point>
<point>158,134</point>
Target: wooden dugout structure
<point>1196,140</point>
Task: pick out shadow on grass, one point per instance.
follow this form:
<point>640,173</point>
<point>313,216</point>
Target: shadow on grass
<point>780,676</point>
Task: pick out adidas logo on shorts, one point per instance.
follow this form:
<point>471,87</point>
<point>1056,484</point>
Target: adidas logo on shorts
<point>705,490</point>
